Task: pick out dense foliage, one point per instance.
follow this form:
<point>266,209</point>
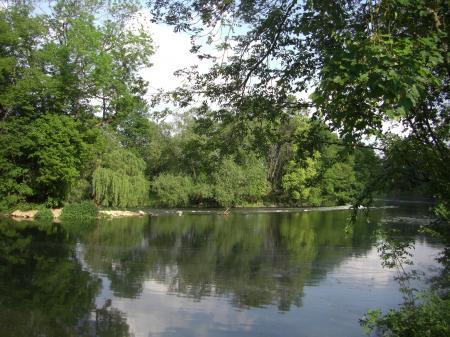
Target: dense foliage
<point>119,180</point>
<point>75,126</point>
<point>173,190</point>
<point>79,211</point>
<point>60,70</point>
<point>41,158</point>
<point>372,65</point>
<point>429,318</point>
<point>235,163</point>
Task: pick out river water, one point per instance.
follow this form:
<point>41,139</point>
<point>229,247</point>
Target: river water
<point>250,273</point>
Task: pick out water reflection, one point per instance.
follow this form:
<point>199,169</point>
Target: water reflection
<point>265,274</point>
<point>254,260</point>
<point>44,290</point>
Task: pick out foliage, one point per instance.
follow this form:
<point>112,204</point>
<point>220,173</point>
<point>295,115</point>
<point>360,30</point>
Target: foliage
<point>369,61</point>
<point>44,215</point>
<point>84,210</point>
<point>202,191</point>
<point>265,150</point>
<point>236,184</point>
<point>41,158</point>
<point>299,181</point>
<point>372,64</point>
<point>339,184</point>
<point>430,318</point>
<point>80,190</point>
<point>59,70</point>
<point>89,67</point>
<point>70,60</point>
<point>72,72</point>
<point>326,178</point>
<point>423,313</point>
<point>255,182</point>
<point>146,139</point>
<point>119,180</point>
<point>173,190</point>
<point>228,183</point>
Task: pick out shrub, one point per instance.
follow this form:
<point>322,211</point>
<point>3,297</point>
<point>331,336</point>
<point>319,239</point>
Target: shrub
<point>430,318</point>
<point>173,190</point>
<point>300,181</point>
<point>85,210</point>
<point>44,214</point>
<point>236,184</point>
<point>79,191</point>
<point>41,158</point>
<point>201,192</point>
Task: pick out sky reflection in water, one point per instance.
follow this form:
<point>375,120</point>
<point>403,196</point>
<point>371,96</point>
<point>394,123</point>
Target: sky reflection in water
<point>257,274</point>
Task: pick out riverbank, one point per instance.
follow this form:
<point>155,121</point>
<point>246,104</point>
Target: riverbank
<point>112,213</point>
<point>56,214</point>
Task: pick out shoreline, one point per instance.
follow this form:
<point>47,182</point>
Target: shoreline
<point>151,211</point>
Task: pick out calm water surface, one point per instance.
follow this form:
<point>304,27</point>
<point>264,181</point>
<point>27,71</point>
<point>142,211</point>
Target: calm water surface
<point>246,274</point>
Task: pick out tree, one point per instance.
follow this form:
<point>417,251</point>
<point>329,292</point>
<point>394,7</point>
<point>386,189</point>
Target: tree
<point>70,61</point>
<point>255,181</point>
<point>119,180</point>
<point>339,185</point>
<point>60,68</point>
<point>299,181</point>
<point>227,184</point>
<point>369,62</point>
<point>236,184</point>
<point>146,139</point>
<point>42,158</point>
<point>173,190</point>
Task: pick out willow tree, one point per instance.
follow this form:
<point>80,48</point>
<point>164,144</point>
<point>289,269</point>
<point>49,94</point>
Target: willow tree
<point>119,180</point>
<point>63,65</point>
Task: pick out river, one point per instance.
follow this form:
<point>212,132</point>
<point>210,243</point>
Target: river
<point>250,273</point>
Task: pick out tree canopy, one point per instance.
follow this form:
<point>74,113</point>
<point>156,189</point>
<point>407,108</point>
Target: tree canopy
<point>64,71</point>
<point>369,64</point>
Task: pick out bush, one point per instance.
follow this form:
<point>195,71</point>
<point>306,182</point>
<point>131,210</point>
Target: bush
<point>85,210</point>
<point>299,182</point>
<point>228,181</point>
<point>201,192</point>
<point>428,319</point>
<point>173,190</point>
<point>236,184</point>
<point>44,214</point>
<point>41,158</point>
<point>79,191</point>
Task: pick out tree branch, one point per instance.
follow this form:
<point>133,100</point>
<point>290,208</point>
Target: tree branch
<point>271,48</point>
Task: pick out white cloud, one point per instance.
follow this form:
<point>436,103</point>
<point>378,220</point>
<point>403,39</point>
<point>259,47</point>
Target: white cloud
<point>171,54</point>
<point>157,313</point>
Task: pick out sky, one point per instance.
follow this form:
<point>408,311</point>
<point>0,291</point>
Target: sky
<point>171,54</point>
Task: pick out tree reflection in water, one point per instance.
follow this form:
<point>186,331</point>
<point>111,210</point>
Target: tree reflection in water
<point>256,260</point>
<point>44,289</point>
